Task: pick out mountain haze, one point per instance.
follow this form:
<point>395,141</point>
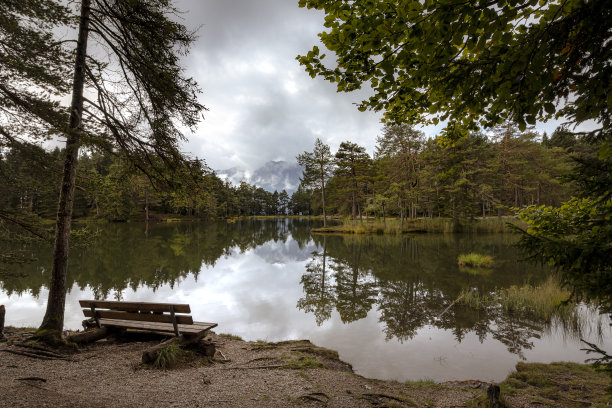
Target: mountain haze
<point>274,175</point>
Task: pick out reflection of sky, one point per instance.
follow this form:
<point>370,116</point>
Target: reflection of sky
<point>254,295</point>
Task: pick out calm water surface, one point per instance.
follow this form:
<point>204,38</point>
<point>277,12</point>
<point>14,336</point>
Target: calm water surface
<point>386,303</point>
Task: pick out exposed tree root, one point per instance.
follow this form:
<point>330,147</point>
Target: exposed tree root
<point>225,359</point>
<point>256,367</point>
<point>375,399</point>
<point>42,351</point>
<point>32,379</point>
<point>317,397</point>
<point>33,354</point>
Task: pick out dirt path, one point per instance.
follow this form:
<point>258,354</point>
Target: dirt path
<point>244,374</point>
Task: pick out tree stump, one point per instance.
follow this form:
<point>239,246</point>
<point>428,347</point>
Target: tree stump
<point>206,348</point>
<point>149,355</point>
<point>493,392</point>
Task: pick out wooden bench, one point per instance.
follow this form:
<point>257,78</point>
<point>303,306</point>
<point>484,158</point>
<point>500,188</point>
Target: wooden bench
<point>152,317</point>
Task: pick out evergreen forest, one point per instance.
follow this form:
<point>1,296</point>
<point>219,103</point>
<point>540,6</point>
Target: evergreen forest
<point>409,176</point>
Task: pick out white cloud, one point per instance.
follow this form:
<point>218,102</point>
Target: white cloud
<point>263,105</point>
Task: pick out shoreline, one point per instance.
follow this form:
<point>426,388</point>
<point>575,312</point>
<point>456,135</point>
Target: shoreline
<point>241,373</point>
<point>393,226</point>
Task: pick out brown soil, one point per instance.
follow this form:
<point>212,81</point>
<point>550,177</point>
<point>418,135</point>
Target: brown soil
<point>245,374</point>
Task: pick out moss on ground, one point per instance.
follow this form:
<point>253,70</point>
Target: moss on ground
<point>560,384</point>
<point>300,361</point>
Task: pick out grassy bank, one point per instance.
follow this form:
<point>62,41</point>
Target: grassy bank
<point>419,225</point>
<point>556,385</point>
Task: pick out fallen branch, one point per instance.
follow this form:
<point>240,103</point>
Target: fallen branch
<point>89,336</point>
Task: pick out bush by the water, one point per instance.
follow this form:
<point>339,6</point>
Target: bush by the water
<point>475,260</point>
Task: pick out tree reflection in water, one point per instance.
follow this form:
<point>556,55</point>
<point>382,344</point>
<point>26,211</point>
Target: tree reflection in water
<point>123,257</point>
<point>410,282</point>
<point>413,283</point>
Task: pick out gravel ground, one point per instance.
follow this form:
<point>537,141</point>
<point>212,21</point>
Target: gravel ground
<point>244,374</point>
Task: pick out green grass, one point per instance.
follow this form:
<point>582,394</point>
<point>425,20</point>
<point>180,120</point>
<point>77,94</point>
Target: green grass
<point>543,301</point>
<point>475,260</point>
<point>299,361</point>
<point>424,383</point>
<point>168,357</point>
<point>231,336</point>
<point>547,305</point>
<point>558,384</point>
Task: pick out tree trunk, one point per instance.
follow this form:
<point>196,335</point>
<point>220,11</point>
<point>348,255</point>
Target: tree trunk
<point>484,215</point>
<point>2,314</point>
<point>384,216</point>
<point>54,316</point>
<point>146,206</point>
<point>323,200</point>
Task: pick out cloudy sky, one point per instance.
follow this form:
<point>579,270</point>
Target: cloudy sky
<point>262,104</point>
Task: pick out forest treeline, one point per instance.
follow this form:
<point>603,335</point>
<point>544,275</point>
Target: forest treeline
<point>110,188</point>
<point>410,176</point>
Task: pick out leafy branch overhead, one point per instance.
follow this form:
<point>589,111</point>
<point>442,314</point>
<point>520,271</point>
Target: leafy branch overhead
<point>473,63</point>
<point>137,96</point>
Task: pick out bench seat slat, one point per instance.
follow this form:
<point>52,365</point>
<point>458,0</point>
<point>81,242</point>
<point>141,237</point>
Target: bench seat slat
<point>160,318</point>
<point>158,327</point>
<point>136,306</point>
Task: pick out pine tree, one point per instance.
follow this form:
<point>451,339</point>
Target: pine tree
<point>352,171</point>
<point>318,165</point>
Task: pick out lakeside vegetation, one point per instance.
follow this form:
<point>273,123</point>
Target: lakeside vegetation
<point>395,226</point>
<point>545,301</point>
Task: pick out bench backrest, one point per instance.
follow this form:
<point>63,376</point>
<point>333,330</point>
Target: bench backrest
<point>140,311</point>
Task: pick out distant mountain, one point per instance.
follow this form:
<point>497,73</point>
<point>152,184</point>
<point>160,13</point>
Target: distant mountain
<point>274,175</point>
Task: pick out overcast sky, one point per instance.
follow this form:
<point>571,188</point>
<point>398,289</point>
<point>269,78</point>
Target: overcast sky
<point>262,104</point>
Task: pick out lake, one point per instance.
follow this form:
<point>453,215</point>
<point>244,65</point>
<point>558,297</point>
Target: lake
<point>385,303</point>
